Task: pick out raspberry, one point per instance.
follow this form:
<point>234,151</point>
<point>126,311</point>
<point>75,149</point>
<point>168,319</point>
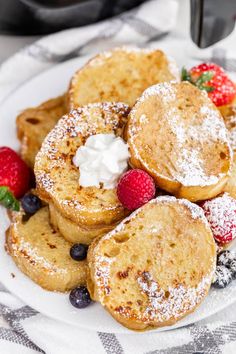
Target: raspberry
<point>221,215</point>
<point>14,173</point>
<point>135,188</point>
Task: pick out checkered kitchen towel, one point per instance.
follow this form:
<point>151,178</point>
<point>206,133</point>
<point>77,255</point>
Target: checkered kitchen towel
<point>22,329</point>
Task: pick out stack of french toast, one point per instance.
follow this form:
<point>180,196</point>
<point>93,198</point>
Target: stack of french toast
<point>134,227</point>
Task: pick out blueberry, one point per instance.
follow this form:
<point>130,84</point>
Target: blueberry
<point>78,251</point>
<point>225,258</point>
<point>79,297</point>
<point>31,203</point>
<point>232,268</point>
<point>223,277</point>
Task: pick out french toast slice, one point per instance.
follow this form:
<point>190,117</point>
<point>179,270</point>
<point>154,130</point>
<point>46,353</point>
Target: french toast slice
<point>74,232</point>
<point>120,75</point>
<point>42,253</point>
<point>57,177</point>
<point>156,266</point>
<point>228,110</point>
<point>33,124</point>
<point>189,154</point>
<point>229,115</point>
<point>230,186</point>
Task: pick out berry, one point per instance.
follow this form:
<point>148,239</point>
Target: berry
<point>232,268</point>
<point>225,258</point>
<point>135,188</point>
<point>78,251</point>
<point>213,79</point>
<point>223,277</point>
<point>14,173</point>
<point>79,297</point>
<point>221,215</point>
<point>31,203</point>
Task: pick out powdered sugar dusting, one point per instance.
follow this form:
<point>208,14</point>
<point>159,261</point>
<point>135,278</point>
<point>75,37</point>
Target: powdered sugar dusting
<point>232,139</point>
<point>143,118</point>
<point>76,123</point>
<point>161,308</point>
<point>191,170</point>
<point>212,124</point>
<point>230,122</point>
<point>180,299</point>
<point>45,181</point>
<point>32,253</point>
<point>56,147</point>
<point>165,89</point>
<point>75,204</point>
<point>188,165</point>
<point>195,210</point>
<point>103,274</point>
<point>99,59</point>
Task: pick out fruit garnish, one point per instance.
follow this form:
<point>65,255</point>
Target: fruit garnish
<point>79,297</point>
<point>222,278</point>
<point>31,203</point>
<point>78,251</point>
<point>201,80</point>
<point>232,268</point>
<point>221,216</point>
<point>227,258</point>
<point>14,173</point>
<point>214,80</point>
<point>8,200</point>
<point>135,188</point>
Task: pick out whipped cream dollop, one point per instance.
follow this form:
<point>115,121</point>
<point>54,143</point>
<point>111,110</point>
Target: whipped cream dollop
<point>102,159</point>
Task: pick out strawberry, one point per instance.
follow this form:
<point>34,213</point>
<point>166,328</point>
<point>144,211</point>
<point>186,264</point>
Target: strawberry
<point>213,79</point>
<point>135,188</point>
<point>221,216</point>
<point>14,173</point>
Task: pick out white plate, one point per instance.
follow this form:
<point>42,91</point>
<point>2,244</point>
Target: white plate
<point>50,84</point>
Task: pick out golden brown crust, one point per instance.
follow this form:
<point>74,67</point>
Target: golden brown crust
<point>58,179</point>
<point>74,232</point>
<point>120,75</point>
<point>189,155</point>
<point>230,186</point>
<point>33,124</point>
<point>228,110</point>
<point>156,266</point>
<point>42,253</point>
<point>229,114</point>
